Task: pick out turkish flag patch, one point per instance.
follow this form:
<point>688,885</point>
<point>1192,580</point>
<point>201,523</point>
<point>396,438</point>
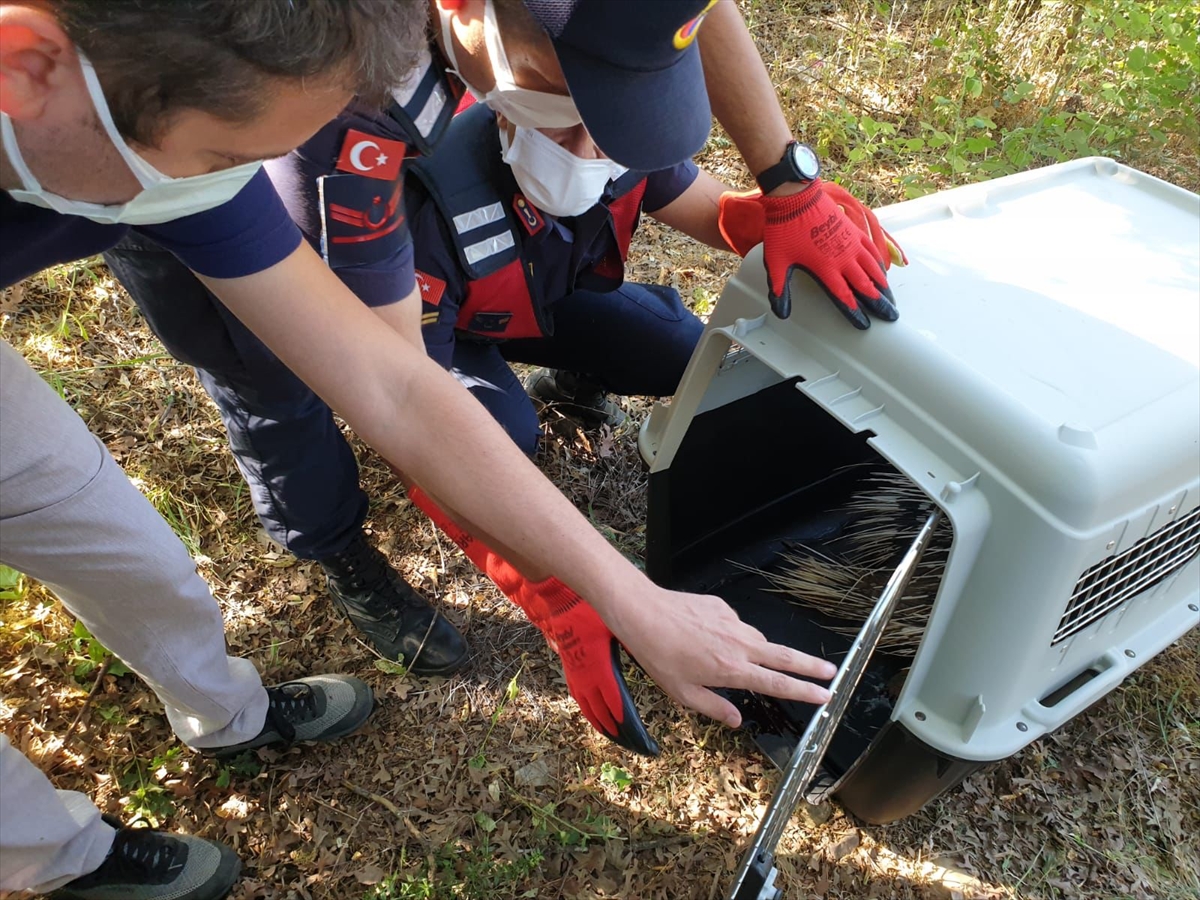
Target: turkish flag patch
<point>371,155</point>
<point>432,288</point>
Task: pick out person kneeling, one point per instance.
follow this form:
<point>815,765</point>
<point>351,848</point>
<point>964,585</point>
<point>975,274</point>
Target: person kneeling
<point>520,239</point>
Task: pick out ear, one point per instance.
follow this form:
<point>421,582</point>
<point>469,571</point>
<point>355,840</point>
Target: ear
<point>466,24</point>
<point>462,10</point>
<point>35,58</point>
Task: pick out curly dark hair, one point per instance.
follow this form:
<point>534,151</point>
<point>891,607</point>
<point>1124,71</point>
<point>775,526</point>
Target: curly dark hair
<point>154,57</point>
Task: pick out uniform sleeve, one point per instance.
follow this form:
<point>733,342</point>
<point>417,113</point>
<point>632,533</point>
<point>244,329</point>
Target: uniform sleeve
<point>248,234</point>
<point>438,273</point>
<point>354,221</point>
<point>666,185</point>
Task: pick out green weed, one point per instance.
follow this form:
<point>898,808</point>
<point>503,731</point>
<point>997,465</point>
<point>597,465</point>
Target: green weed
<point>464,873</point>
<point>594,827</point>
<point>616,776</point>
<point>387,667</point>
<point>146,798</point>
<point>703,301</point>
<point>245,765</point>
<point>85,654</point>
<point>12,584</point>
<point>111,714</point>
<point>479,760</point>
<point>70,277</point>
<point>180,515</point>
<point>549,822</point>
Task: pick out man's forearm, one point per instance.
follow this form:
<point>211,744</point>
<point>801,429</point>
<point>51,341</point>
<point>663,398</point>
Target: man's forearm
<point>404,318</point>
<point>417,416</point>
<point>414,413</point>
<point>739,89</point>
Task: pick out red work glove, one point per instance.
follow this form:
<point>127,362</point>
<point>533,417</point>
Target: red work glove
<point>865,219</point>
<point>590,654</point>
<point>809,231</point>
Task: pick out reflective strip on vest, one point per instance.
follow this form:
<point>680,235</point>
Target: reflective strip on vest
<point>488,246</point>
<point>431,110</point>
<point>477,218</point>
<point>407,89</point>
<point>411,86</point>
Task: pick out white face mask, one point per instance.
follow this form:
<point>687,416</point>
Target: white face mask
<point>521,106</point>
<point>162,198</point>
<point>552,178</point>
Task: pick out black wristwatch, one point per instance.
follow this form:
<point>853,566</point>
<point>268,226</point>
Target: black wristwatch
<point>800,164</point>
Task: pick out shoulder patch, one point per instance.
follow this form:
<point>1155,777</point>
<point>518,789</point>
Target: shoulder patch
<point>528,214</point>
<point>362,220</point>
<point>371,155</point>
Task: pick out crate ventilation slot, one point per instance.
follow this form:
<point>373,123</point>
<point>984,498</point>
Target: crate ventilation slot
<point>1109,583</point>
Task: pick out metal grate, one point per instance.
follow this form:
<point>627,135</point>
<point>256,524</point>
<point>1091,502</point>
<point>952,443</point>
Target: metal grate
<point>1109,583</point>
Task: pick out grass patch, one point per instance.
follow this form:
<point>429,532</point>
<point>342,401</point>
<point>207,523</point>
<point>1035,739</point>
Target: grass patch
<point>465,873</point>
<point>930,95</point>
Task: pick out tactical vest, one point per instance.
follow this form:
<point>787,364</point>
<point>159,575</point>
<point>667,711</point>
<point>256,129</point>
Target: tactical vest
<point>424,105</point>
<point>489,219</point>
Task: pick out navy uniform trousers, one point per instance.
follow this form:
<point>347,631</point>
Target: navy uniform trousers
<point>302,474</point>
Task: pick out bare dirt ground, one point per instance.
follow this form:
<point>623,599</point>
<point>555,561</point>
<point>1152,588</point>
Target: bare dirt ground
<point>489,784</point>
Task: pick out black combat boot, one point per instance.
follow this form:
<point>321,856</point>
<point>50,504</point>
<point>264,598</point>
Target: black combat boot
<point>576,396</point>
<point>400,623</point>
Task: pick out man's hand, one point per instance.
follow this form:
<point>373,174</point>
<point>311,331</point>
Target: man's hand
<point>689,643</point>
<point>795,228</point>
<point>865,219</point>
<point>810,231</point>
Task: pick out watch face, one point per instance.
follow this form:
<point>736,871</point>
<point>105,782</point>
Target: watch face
<point>805,161</point>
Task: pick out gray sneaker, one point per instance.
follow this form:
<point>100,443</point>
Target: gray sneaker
<point>316,708</point>
<point>156,865</point>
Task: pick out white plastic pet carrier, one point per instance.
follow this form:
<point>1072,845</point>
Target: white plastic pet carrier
<point>1041,387</point>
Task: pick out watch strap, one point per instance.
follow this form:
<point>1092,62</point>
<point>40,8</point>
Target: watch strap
<point>782,172</point>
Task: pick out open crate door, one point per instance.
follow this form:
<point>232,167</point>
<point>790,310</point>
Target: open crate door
<point>788,473</point>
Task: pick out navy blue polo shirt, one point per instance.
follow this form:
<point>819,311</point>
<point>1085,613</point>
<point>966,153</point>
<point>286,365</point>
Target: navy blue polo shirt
<point>247,234</point>
<point>347,203</point>
<point>375,263</point>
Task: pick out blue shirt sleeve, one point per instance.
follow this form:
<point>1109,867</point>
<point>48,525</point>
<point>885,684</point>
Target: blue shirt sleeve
<point>33,238</point>
<point>666,185</point>
<point>248,234</point>
<point>355,222</point>
<point>382,283</point>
